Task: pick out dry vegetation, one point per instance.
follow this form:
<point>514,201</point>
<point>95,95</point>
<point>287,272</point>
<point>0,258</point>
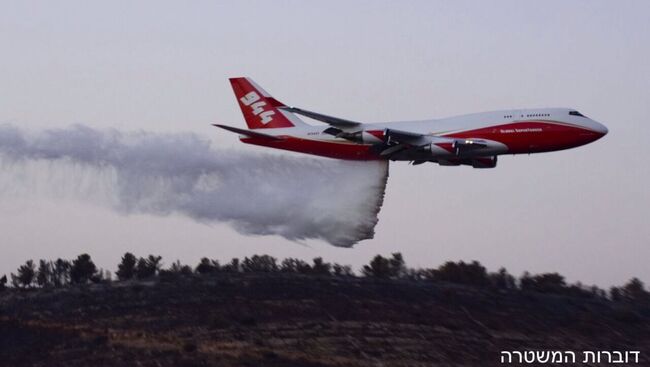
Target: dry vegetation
<point>230,316</point>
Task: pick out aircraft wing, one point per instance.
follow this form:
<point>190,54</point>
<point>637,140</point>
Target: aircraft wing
<point>334,121</point>
<point>406,137</point>
<point>249,133</point>
<point>399,140</point>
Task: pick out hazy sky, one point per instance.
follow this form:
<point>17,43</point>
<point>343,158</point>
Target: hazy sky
<point>163,67</point>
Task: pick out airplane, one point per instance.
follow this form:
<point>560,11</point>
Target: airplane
<point>474,140</point>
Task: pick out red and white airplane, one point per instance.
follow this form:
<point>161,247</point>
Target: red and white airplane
<point>475,140</point>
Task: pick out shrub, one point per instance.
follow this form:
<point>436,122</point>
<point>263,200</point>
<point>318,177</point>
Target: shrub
<point>189,347</point>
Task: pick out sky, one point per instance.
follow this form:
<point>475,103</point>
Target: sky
<point>163,66</point>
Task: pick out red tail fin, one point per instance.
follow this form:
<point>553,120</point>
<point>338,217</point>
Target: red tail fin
<point>259,108</point>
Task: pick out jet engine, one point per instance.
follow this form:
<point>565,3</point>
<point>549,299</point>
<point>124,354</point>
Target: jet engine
<point>484,162</point>
<point>478,162</point>
<point>361,136</point>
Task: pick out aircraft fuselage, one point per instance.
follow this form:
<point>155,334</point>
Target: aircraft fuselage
<point>475,139</point>
<point>508,131</point>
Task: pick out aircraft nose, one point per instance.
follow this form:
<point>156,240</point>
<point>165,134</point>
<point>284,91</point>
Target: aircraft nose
<point>600,128</point>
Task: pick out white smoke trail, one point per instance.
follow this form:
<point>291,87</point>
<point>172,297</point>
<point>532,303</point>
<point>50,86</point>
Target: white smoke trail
<point>163,174</point>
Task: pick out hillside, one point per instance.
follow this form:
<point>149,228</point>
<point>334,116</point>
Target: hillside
<point>257,319</point>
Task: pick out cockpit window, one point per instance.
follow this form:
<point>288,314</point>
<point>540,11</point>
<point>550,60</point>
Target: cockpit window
<point>576,113</point>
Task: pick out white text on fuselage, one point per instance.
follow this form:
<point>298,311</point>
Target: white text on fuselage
<point>526,130</point>
<point>252,100</point>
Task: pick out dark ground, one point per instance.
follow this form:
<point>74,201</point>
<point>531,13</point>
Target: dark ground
<point>296,320</point>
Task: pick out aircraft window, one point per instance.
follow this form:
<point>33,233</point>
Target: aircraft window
<point>576,113</point>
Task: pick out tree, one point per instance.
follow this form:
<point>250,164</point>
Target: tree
<point>3,283</point>
<point>155,263</point>
<point>598,292</point>
<point>292,265</point>
<point>83,269</point>
<point>545,283</point>
<point>207,266</point>
<point>634,290</point>
<point>526,281</point>
<point>320,267</point>
<point>44,276</point>
<point>141,269</point>
<point>502,279</point>
<point>126,268</point>
<point>175,271</point>
<point>233,267</point>
<point>61,272</point>
<point>342,270</point>
<point>397,265</point>
<point>148,267</point>
<point>26,275</point>
<point>15,282</point>
<point>108,276</point>
<point>615,294</point>
<point>102,276</point>
<point>379,267</point>
<point>463,273</point>
<point>550,282</point>
<point>178,268</point>
<point>260,263</point>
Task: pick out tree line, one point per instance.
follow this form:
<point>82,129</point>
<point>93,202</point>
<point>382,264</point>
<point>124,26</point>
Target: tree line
<point>82,270</point>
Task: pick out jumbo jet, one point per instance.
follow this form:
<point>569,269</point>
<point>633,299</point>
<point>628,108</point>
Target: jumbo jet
<point>473,140</point>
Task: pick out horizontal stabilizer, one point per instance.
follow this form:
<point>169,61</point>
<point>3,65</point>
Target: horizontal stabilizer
<point>249,133</point>
<point>334,121</point>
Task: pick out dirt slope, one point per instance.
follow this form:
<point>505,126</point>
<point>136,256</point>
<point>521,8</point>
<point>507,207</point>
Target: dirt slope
<point>295,320</point>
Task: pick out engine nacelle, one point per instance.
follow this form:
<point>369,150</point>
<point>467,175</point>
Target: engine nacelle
<point>484,162</point>
<point>363,136</point>
<point>478,162</point>
<point>475,147</point>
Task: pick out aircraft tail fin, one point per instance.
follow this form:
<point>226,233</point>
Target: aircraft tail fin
<point>260,109</point>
